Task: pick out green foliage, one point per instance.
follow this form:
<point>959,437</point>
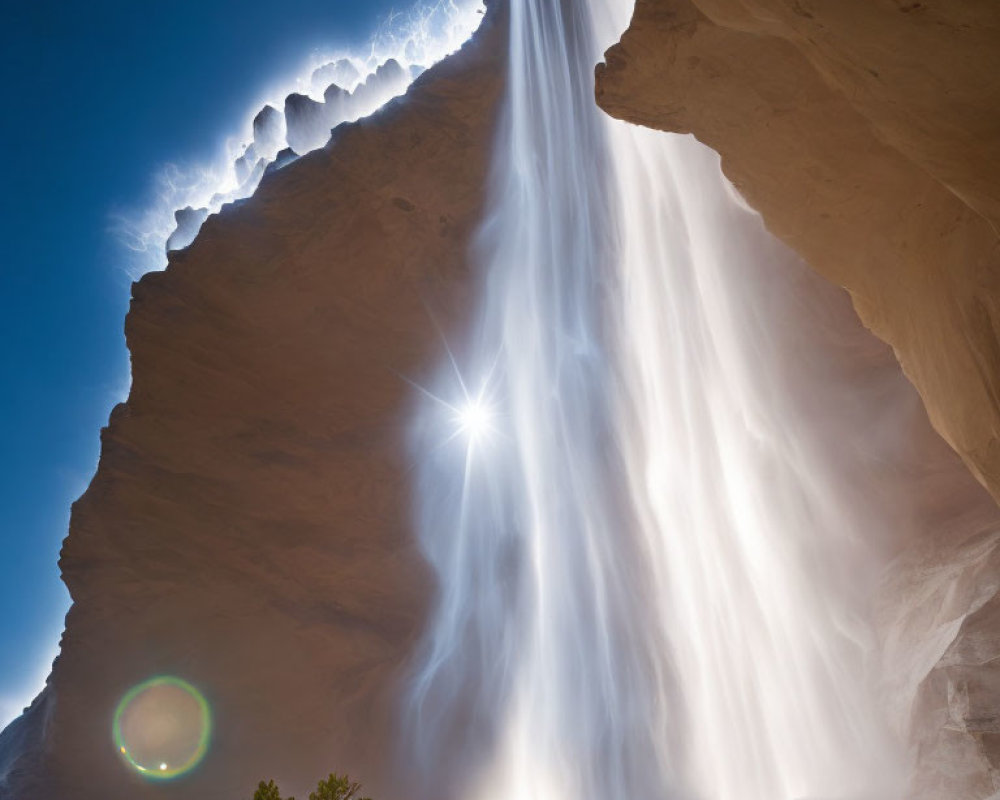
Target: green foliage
<point>335,787</point>
<point>268,791</point>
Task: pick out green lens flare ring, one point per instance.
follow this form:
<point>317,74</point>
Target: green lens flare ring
<point>156,768</point>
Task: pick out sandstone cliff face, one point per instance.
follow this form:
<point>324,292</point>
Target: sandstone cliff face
<point>248,526</point>
<point>867,133</point>
<point>868,136</point>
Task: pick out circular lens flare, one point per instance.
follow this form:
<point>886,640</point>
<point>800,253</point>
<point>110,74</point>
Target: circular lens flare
<point>162,728</point>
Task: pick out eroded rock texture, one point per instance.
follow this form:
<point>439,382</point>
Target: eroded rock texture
<point>247,528</point>
<point>867,133</point>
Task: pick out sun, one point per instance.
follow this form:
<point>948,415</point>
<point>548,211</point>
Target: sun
<point>474,419</point>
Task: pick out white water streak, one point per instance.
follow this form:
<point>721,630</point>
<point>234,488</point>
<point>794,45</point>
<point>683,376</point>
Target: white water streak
<point>650,581</point>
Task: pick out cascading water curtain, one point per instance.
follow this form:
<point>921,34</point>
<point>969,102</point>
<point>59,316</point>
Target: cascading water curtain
<point>642,588</point>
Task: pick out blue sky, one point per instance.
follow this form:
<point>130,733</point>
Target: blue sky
<point>98,97</point>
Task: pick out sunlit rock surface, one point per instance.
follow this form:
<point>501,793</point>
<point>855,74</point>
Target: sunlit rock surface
<point>866,133</point>
<point>305,124</point>
<point>336,87</point>
<point>248,526</point>
<point>189,222</point>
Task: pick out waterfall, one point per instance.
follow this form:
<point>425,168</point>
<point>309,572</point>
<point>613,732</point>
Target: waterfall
<point>651,581</point>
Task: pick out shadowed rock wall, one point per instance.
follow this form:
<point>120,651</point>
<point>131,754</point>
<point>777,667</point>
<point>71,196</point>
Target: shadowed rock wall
<point>248,525</point>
